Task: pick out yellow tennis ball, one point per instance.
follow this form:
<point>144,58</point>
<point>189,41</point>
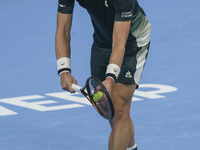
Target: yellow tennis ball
<point>97,96</point>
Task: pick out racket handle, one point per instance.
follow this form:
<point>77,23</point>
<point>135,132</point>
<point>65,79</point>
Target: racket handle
<point>76,88</point>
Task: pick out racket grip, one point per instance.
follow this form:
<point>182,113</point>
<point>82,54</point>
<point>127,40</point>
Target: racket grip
<point>76,88</point>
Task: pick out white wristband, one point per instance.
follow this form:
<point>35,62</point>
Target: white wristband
<point>63,65</point>
<point>113,71</point>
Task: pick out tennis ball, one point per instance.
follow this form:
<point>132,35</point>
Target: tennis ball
<point>97,96</point>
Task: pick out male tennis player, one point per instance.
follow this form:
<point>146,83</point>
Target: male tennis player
<point>121,42</point>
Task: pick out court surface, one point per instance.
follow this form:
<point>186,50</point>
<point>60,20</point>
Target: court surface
<point>35,114</point>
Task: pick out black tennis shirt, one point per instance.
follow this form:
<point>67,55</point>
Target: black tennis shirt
<point>103,13</point>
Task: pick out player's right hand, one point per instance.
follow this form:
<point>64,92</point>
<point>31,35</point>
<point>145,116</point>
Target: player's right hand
<point>108,83</point>
<point>66,80</point>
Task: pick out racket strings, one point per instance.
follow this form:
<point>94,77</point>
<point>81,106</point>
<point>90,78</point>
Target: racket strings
<point>103,105</point>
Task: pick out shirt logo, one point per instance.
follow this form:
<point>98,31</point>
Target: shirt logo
<point>128,74</point>
<point>62,5</point>
<point>126,14</point>
<point>106,3</point>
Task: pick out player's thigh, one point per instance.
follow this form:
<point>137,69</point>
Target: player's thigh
<point>122,97</point>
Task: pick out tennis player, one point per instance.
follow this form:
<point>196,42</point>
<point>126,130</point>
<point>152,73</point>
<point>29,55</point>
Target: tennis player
<point>121,42</point>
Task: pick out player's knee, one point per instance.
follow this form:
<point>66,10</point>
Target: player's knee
<point>122,110</point>
<point>122,97</point>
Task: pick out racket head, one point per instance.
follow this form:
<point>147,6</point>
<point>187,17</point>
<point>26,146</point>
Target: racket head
<point>104,105</point>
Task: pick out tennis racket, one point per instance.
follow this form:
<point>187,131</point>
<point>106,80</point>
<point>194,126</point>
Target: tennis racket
<point>98,96</point>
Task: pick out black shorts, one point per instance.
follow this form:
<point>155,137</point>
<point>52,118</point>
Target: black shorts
<point>131,69</point>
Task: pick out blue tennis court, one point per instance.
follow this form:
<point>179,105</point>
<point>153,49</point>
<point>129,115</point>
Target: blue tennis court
<point>35,113</point>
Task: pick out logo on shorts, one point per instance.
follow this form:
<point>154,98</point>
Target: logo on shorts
<point>128,74</point>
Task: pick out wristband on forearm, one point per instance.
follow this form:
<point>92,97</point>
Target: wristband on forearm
<point>113,71</point>
<point>63,65</point>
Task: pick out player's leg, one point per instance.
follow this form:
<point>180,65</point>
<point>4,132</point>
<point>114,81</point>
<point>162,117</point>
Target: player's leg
<point>132,139</point>
<point>129,76</point>
<point>122,135</point>
<point>132,143</point>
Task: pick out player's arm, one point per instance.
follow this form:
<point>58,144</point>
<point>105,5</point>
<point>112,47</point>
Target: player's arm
<point>123,16</point>
<point>62,47</point>
<point>63,37</point>
<point>64,22</point>
<point>120,34</point>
